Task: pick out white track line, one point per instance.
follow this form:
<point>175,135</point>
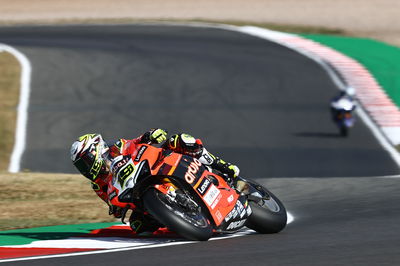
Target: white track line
<point>377,132</point>
<point>389,176</point>
<point>22,116</point>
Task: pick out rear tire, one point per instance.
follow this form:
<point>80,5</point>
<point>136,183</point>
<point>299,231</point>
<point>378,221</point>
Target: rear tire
<point>344,131</point>
<point>268,216</point>
<point>190,225</point>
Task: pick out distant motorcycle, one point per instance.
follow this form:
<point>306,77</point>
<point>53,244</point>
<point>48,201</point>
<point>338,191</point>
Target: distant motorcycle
<point>186,197</point>
<point>342,113</point>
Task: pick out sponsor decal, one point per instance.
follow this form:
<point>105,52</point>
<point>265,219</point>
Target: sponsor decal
<point>118,162</point>
<point>216,201</point>
<point>239,205</point>
<point>193,168</point>
<point>211,195</point>
<point>249,211</point>
<point>204,185</point>
<point>237,224</point>
<point>140,153</point>
<point>218,215</point>
<point>230,198</point>
<point>231,215</point>
<point>241,209</point>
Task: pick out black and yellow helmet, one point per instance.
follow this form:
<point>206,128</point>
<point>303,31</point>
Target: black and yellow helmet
<point>87,154</point>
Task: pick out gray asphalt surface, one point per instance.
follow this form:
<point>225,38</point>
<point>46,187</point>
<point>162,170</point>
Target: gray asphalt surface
<point>338,221</point>
<point>253,102</point>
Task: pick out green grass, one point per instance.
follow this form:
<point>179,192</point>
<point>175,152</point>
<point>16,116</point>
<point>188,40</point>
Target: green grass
<point>39,199</point>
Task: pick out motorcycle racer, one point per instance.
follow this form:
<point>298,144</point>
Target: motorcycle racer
<point>344,102</point>
<point>98,161</point>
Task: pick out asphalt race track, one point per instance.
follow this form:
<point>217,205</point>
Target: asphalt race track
<point>252,102</point>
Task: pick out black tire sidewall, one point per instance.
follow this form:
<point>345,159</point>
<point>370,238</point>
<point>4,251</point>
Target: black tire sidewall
<point>266,221</point>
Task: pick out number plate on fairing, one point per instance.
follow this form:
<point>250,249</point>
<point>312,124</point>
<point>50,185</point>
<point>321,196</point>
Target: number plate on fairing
<point>126,174</point>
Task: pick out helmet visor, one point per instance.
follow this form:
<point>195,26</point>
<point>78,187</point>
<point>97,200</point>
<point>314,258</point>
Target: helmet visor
<point>91,166</point>
<point>84,164</point>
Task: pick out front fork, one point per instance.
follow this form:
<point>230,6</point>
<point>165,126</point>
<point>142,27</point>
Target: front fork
<point>252,190</point>
<point>183,199</point>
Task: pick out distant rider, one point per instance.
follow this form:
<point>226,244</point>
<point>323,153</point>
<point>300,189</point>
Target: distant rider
<point>344,102</point>
<point>93,157</point>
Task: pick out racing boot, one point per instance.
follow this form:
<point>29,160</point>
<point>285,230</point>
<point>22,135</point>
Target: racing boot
<point>142,222</point>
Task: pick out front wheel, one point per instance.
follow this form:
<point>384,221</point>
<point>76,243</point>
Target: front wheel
<point>190,223</point>
<point>269,215</point>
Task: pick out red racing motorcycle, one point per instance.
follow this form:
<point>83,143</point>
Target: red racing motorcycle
<point>186,197</point>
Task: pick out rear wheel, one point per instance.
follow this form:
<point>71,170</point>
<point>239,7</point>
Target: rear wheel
<point>181,215</point>
<point>269,215</point>
<point>344,131</point>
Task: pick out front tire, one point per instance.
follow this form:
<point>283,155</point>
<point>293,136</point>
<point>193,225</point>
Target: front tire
<point>191,225</point>
<point>268,216</point>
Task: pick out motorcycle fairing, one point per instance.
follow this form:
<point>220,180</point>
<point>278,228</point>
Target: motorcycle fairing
<point>222,202</point>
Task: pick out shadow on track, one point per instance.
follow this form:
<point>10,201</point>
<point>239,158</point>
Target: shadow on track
<point>318,135</point>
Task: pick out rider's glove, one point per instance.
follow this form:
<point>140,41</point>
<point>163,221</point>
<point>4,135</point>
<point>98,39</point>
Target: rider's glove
<point>234,170</point>
<point>158,135</point>
<point>217,163</point>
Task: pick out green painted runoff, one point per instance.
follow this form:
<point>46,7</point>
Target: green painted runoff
<point>26,236</point>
